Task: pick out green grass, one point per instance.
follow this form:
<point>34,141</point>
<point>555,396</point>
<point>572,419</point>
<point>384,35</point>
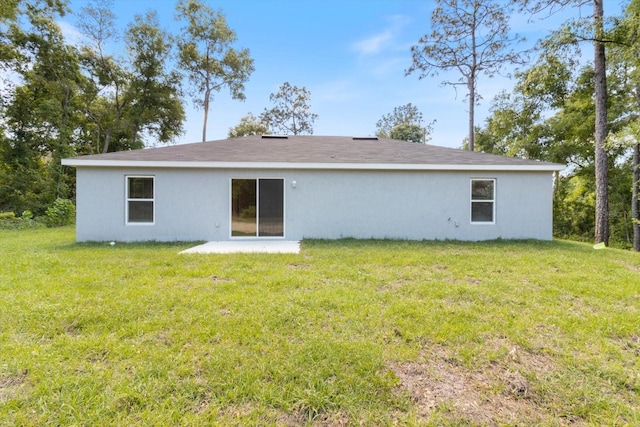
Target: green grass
<point>346,332</point>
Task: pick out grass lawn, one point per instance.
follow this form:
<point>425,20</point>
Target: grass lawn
<point>344,333</point>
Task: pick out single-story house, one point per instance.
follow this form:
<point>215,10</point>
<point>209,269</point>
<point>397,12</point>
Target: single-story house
<point>297,187</point>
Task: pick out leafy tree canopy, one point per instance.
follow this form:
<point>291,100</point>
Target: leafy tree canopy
<point>207,57</point>
<point>249,125</point>
<point>291,113</point>
<point>404,123</point>
<point>470,37</point>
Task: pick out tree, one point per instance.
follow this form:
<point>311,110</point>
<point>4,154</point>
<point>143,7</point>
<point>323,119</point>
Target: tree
<point>40,112</point>
<point>291,113</point>
<point>602,160</point>
<point>521,125</point>
<point>127,99</point>
<point>207,58</point>
<point>11,11</point>
<point>107,77</point>
<point>408,132</point>
<point>404,123</point>
<point>249,125</point>
<point>157,108</point>
<point>593,31</point>
<point>471,37</point>
<point>635,199</point>
<point>625,57</point>
<point>550,115</point>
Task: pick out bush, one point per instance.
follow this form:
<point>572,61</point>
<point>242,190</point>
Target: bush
<point>9,221</point>
<point>248,212</point>
<point>63,212</point>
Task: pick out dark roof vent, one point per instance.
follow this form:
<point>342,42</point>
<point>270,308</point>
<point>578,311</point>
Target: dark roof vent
<point>365,138</point>
<point>275,137</point>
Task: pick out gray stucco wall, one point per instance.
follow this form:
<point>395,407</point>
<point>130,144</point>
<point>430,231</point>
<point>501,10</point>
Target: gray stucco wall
<point>193,204</point>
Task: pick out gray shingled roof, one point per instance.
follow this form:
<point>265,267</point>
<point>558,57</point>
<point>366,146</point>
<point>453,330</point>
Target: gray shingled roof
<point>308,150</point>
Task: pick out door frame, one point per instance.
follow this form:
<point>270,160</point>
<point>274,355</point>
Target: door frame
<point>284,212</point>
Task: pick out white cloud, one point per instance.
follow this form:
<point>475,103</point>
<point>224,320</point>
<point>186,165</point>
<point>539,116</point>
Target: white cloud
<point>374,44</point>
<point>385,39</point>
<point>71,34</point>
<point>335,91</point>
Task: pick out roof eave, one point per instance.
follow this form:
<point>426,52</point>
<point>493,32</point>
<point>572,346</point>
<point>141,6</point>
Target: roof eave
<point>76,162</point>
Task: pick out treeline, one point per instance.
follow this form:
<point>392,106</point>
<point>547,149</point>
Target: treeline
<point>60,100</point>
<point>550,114</point>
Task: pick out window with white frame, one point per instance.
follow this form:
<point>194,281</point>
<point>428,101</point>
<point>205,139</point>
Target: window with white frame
<point>140,200</point>
<point>483,201</point>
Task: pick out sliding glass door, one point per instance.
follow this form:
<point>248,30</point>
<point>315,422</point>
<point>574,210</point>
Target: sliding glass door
<point>257,207</point>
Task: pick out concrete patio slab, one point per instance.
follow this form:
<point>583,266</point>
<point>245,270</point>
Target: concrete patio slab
<point>246,246</point>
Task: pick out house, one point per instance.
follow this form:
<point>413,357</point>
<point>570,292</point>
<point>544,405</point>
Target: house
<point>296,187</point>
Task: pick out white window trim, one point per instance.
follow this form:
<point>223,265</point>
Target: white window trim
<point>495,191</point>
<point>127,200</point>
<point>284,213</point>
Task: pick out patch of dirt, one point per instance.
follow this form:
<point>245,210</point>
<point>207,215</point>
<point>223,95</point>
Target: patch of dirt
<point>11,386</point>
<point>392,286</point>
<point>200,407</point>
<point>225,312</point>
<point>324,419</point>
<point>496,394</point>
<point>297,266</point>
<point>467,280</point>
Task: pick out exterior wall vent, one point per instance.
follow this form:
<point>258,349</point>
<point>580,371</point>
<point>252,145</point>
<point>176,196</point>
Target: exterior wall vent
<point>365,138</point>
<point>275,137</point>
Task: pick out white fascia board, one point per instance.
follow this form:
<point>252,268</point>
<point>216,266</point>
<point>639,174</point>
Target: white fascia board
<point>316,166</point>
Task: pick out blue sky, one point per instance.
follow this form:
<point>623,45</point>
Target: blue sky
<point>351,55</point>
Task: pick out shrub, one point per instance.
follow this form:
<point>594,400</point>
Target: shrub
<point>248,212</point>
<point>9,221</point>
<point>63,212</point>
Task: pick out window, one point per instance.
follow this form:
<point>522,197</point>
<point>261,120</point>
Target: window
<point>257,207</point>
<point>140,200</point>
<point>483,200</point>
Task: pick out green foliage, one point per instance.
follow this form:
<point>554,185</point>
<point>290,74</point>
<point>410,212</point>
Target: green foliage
<point>156,108</point>
<point>574,207</point>
<point>404,123</point>
<point>63,212</point>
<point>249,125</point>
<point>63,101</point>
<point>470,37</point>
<point>550,115</point>
<point>152,337</point>
<point>25,183</point>
<point>291,113</point>
<point>406,132</point>
<point>128,99</point>
<point>9,221</point>
<point>248,212</point>
<point>207,57</point>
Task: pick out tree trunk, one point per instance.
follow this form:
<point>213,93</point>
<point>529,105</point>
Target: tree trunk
<point>601,160</point>
<point>205,105</point>
<point>635,207</point>
<point>107,137</point>
<point>472,104</point>
<point>471,79</point>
